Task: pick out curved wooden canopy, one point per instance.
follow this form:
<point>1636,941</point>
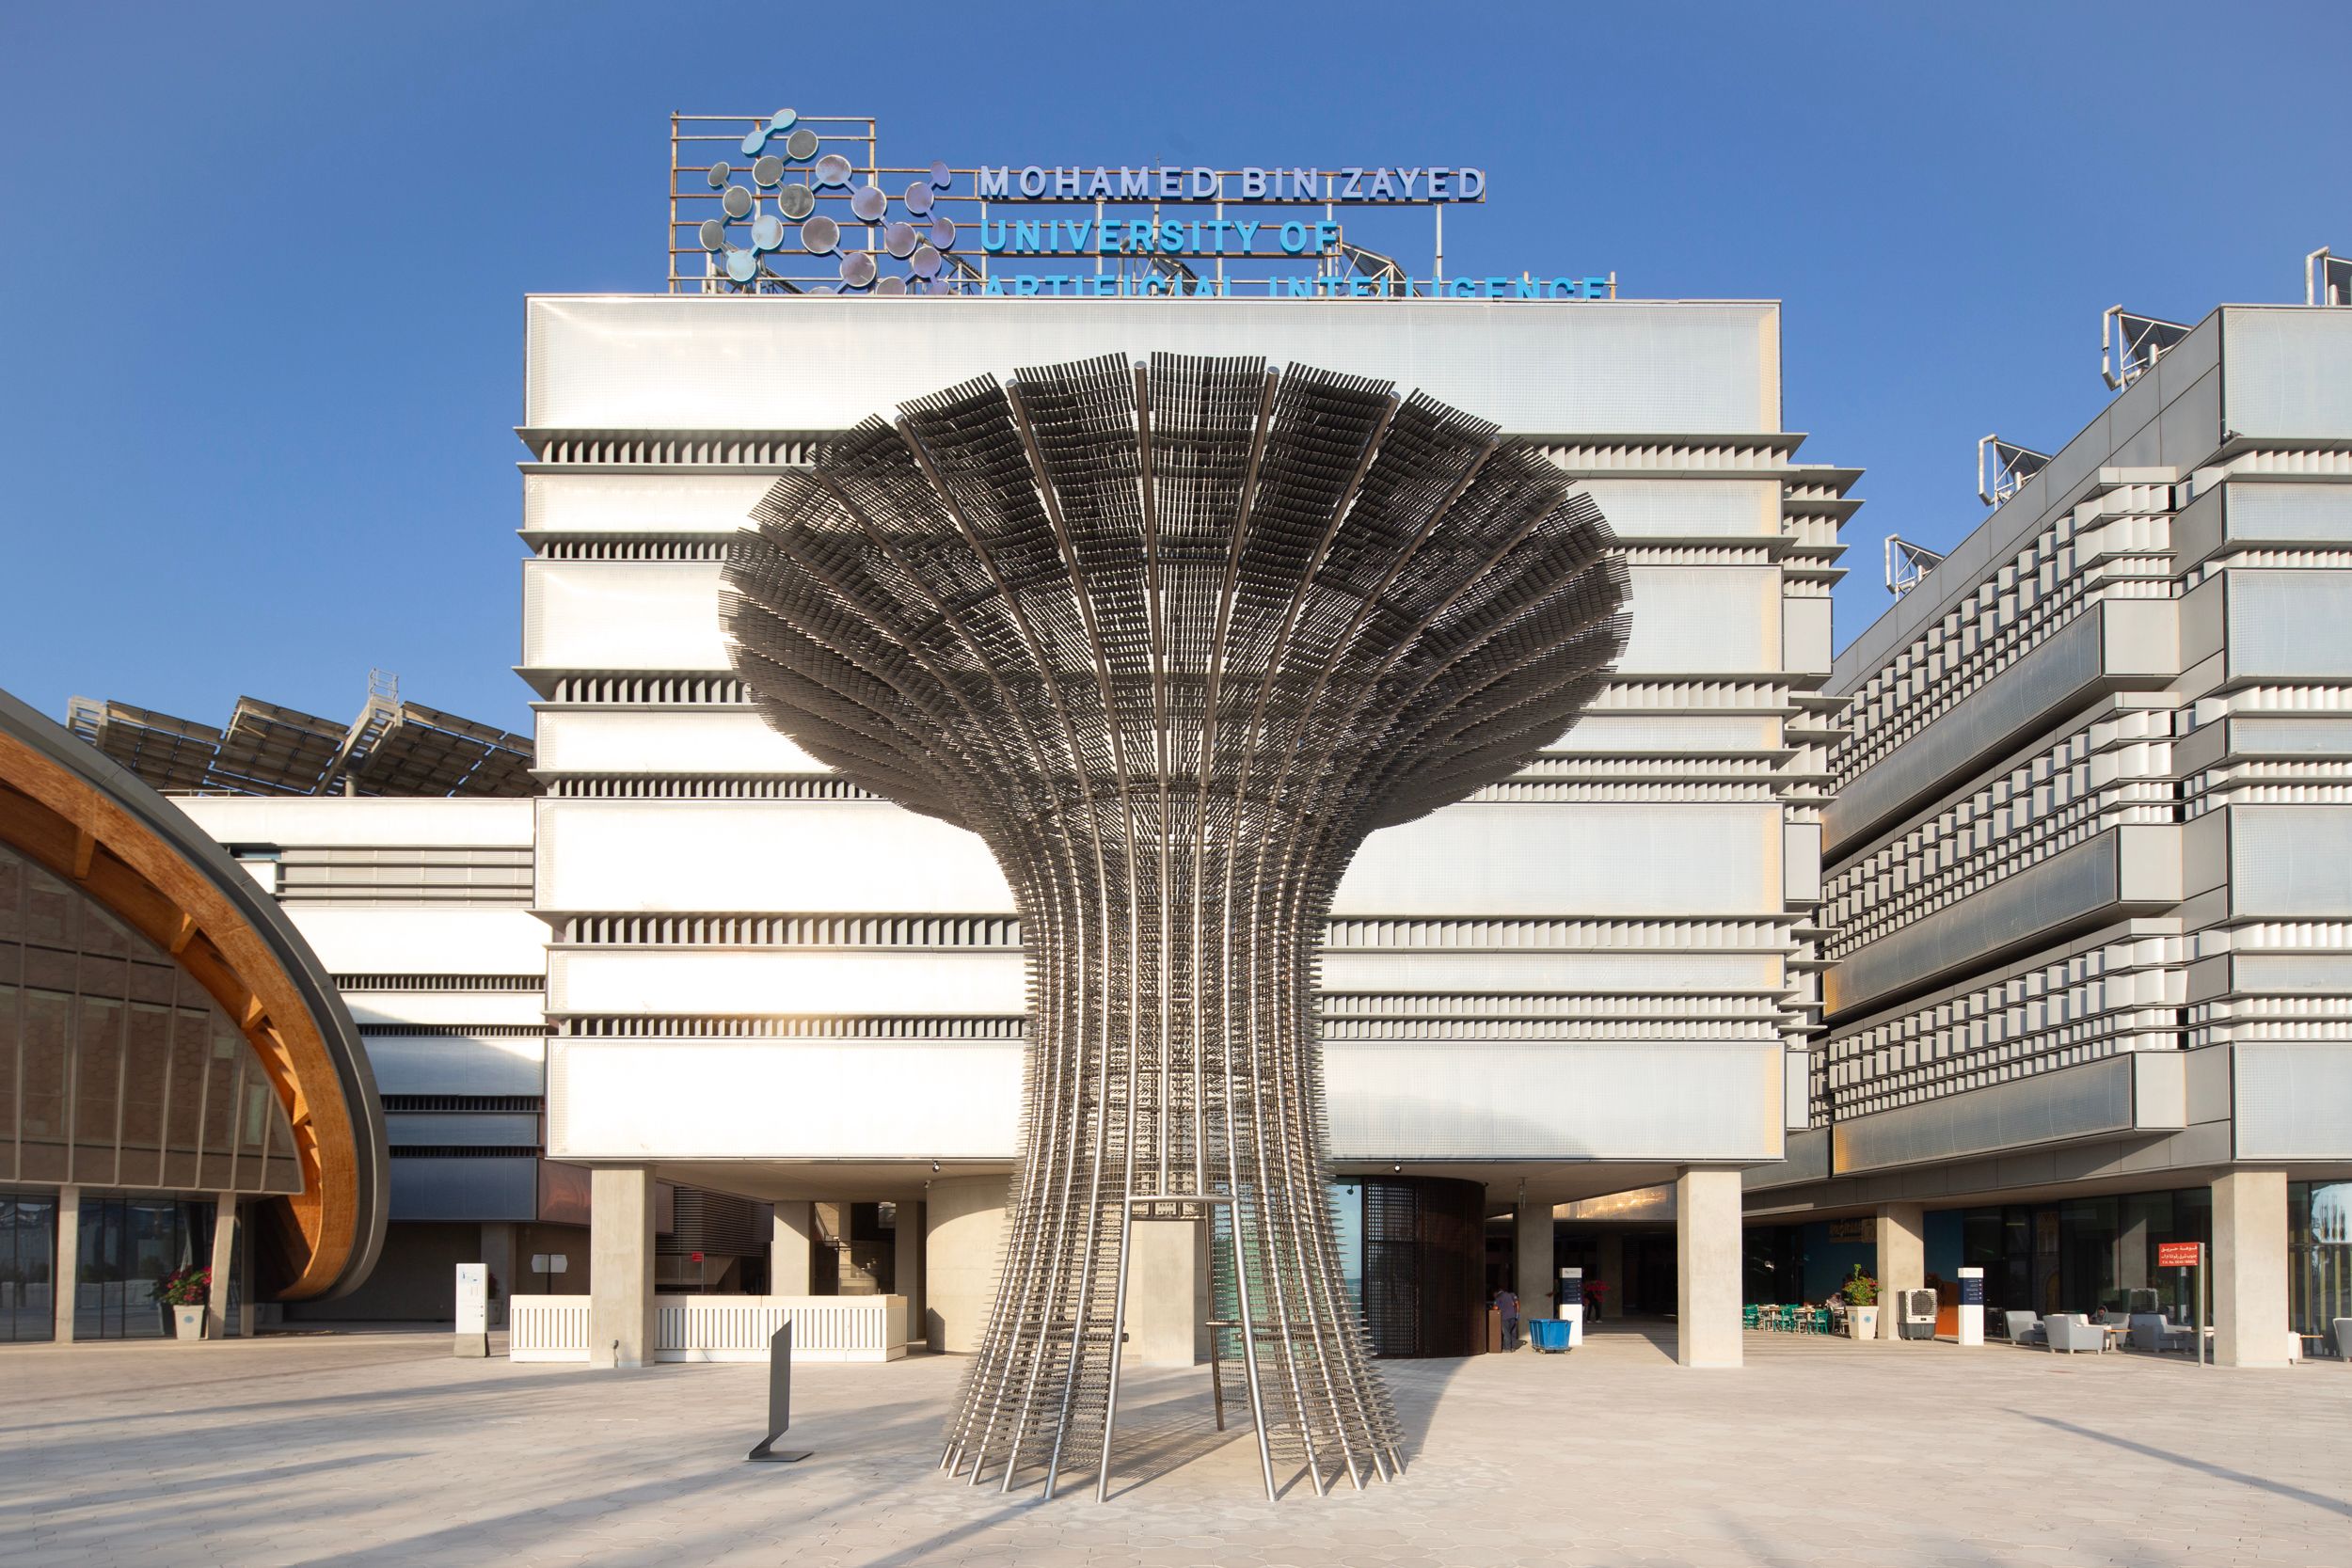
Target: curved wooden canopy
<point>95,824</point>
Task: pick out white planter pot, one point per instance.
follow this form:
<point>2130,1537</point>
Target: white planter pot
<point>1862,1323</point>
<point>187,1323</point>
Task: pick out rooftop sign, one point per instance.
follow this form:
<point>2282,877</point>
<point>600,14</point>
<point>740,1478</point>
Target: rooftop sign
<point>813,208</point>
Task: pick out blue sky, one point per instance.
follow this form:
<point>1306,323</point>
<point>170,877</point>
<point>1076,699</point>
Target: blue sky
<point>260,306</point>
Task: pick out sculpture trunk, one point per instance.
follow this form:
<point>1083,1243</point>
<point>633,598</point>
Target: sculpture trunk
<point>1173,642</point>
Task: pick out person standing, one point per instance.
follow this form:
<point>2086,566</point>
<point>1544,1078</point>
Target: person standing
<point>1507,1308</point>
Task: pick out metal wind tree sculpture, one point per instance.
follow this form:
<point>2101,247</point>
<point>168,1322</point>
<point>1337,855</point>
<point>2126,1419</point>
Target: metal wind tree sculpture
<point>1172,640</point>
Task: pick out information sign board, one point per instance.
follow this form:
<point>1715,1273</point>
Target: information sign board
<point>2180,1255</point>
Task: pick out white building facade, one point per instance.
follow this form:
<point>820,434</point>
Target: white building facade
<point>759,981</point>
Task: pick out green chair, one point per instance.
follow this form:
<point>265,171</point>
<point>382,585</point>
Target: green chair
<point>1747,1316</point>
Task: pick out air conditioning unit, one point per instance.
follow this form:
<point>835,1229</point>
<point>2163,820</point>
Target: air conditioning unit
<point>1915,1314</point>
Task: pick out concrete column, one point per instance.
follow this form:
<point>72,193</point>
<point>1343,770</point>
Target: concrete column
<point>64,1281</point>
<point>1534,1282</point>
<point>2250,1268</point>
<point>1167,1293</point>
<point>963,1235</point>
<point>245,1304</point>
<point>1613,1274</point>
<point>906,1269</point>
<point>620,1267</point>
<point>1706,1267</point>
<point>789,1250</point>
<point>224,1266</point>
<point>498,1256</point>
<point>1902,1257</point>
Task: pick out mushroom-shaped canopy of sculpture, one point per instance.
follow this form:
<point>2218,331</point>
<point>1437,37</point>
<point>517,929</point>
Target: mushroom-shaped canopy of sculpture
<point>1019,597</point>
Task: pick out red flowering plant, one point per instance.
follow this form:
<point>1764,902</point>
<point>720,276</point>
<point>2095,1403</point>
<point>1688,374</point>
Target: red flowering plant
<point>188,1287</point>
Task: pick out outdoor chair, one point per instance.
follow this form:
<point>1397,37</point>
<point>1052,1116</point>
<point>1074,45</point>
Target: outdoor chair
<point>1747,1316</point>
<point>2155,1332</point>
<point>2025,1329</point>
<point>2342,1328</point>
<point>2069,1332</point>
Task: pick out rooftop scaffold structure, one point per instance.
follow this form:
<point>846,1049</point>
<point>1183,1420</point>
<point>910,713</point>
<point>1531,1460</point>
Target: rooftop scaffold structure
<point>393,748</point>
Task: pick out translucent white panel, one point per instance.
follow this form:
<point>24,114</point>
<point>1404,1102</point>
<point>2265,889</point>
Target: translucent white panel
<point>392,941</point>
<point>2291,971</point>
<point>641,503</point>
<point>1402,970</point>
<point>782,1100</point>
<point>1571,1101</point>
<point>2293,513</point>
<point>813,362</point>
<point>2291,737</point>
<point>380,822</point>
<point>833,857</point>
<point>461,1008</point>
<point>666,741</point>
<point>622,615</point>
<point>1689,508</point>
<point>1703,620</point>
<point>1599,858</point>
<point>1629,734</point>
<point>662,981</point>
<point>451,1064</point>
<point>2287,371</point>
<point>2294,1099</point>
<point>2290,623</point>
<point>2291,860</point>
<point>2051,1107</point>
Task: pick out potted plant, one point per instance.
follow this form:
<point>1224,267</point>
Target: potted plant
<point>184,1293</point>
<point>1862,1305</point>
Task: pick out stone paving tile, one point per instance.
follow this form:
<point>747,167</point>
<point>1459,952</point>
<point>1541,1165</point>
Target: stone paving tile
<point>380,1451</point>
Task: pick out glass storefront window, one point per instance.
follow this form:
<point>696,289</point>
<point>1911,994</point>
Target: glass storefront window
<point>2086,1255</point>
<point>1347,1215</point>
<point>28,1253</point>
<point>2319,1255</point>
<point>128,1245</point>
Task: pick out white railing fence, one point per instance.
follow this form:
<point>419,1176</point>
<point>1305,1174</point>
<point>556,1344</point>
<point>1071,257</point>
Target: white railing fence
<point>722,1328</point>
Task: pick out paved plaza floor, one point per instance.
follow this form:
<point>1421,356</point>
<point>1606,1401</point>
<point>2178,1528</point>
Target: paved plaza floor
<point>383,1449</point>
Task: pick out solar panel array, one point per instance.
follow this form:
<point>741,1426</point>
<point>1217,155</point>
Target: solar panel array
<point>393,749</point>
<point>1173,639</point>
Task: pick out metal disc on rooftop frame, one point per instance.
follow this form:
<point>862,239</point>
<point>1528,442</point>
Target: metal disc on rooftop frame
<point>767,232</point>
<point>782,119</point>
<point>736,202</point>
<point>899,239</point>
<point>719,173</point>
<point>943,233</point>
<point>796,201</point>
<point>767,171</point>
<point>743,266</point>
<point>890,286</point>
<point>925,262</point>
<point>942,177</point>
<point>919,198</point>
<point>801,146</point>
<point>857,269</point>
<point>869,204</point>
<point>819,235</point>
<point>833,169</point>
<point>713,235</point>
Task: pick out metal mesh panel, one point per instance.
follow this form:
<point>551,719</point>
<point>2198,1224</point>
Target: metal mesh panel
<point>1172,639</point>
